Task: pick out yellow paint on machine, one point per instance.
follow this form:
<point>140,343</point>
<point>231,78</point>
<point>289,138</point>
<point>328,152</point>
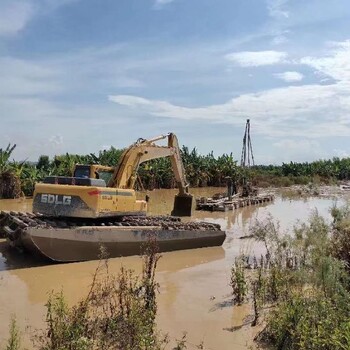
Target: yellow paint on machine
<point>96,199</point>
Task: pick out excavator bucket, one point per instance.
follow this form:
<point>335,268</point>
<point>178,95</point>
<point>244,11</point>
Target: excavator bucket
<point>182,205</point>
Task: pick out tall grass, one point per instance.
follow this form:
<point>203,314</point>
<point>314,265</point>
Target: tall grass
<point>119,312</point>
<point>301,292</point>
<point>14,340</point>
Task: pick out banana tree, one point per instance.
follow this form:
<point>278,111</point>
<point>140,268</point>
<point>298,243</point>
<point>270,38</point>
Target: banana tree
<point>5,155</point>
<point>10,185</point>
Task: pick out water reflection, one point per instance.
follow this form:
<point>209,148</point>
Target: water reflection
<point>13,259</point>
<point>54,277</point>
<point>21,204</point>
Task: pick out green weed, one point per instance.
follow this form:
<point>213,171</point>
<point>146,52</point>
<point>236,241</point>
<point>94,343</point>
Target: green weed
<point>307,285</point>
<point>238,281</point>
<point>14,340</point>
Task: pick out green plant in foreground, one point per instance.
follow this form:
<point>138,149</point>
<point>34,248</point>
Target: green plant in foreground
<point>308,322</point>
<point>311,298</point>
<point>258,295</point>
<point>181,343</point>
<point>14,341</point>
<point>118,313</point>
<point>238,281</point>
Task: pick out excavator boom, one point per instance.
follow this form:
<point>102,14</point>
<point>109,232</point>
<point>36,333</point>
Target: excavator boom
<point>142,151</point>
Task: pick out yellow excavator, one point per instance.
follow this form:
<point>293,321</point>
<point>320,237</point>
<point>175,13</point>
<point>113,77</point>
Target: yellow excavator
<point>96,191</point>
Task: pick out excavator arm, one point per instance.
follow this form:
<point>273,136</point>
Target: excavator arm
<point>143,150</point>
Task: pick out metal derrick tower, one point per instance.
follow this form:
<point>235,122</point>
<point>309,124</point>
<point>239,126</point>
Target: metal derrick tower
<point>247,158</point>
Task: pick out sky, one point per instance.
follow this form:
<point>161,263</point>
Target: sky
<point>79,76</point>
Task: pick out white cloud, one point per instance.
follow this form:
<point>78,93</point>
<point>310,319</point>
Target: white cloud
<point>105,147</point>
<point>290,77</point>
<point>276,8</point>
<point>296,144</point>
<point>309,110</point>
<point>56,140</point>
<point>336,64</point>
<point>256,58</point>
<point>40,126</point>
<point>20,77</point>
<point>158,4</point>
<point>132,101</point>
<point>298,149</point>
<point>14,15</point>
<point>54,143</point>
<point>163,2</point>
<point>279,39</point>
<point>311,13</point>
<point>341,153</point>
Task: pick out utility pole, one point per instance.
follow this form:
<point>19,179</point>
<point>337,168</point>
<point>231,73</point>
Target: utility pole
<point>247,158</point>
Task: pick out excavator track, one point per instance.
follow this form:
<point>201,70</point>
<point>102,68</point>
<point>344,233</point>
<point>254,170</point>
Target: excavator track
<point>12,222</point>
<point>25,231</point>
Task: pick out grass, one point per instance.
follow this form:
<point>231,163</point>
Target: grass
<point>238,281</point>
<point>14,340</point>
<point>300,291</point>
<point>118,312</point>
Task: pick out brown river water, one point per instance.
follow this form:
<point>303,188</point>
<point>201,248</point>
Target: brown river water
<point>194,284</point>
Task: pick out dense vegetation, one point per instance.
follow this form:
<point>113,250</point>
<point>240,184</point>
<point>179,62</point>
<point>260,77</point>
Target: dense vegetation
<point>18,178</point>
<point>300,290</point>
<point>301,173</point>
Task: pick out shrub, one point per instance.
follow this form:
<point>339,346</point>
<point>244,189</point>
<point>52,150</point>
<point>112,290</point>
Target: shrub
<point>14,341</point>
<point>238,281</point>
<point>341,234</point>
<point>306,284</point>
<point>118,313</point>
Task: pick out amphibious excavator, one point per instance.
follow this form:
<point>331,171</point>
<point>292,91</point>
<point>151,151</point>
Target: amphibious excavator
<point>87,195</point>
<point>73,216</point>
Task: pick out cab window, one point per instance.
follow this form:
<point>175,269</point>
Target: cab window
<point>83,172</point>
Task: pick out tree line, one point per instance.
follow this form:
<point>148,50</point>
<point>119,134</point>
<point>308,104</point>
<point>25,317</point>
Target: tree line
<point>18,178</point>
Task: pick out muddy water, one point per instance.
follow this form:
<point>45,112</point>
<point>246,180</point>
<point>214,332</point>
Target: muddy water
<point>194,284</point>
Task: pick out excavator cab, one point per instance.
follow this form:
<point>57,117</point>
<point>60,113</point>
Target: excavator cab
<point>82,171</point>
<point>93,171</point>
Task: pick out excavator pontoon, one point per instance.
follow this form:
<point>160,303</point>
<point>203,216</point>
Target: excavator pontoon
<point>73,216</point>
